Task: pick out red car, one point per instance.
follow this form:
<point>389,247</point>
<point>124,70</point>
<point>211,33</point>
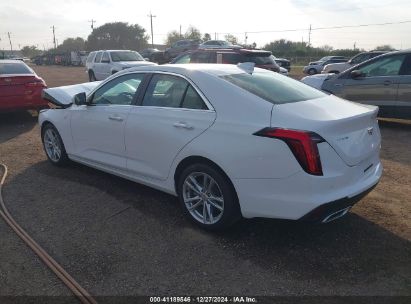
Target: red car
<point>20,87</point>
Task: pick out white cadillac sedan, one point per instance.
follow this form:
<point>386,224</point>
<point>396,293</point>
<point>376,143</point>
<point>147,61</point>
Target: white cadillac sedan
<point>229,141</point>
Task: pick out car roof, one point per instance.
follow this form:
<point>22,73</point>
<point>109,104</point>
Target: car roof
<point>192,68</point>
<point>12,61</point>
<point>230,50</point>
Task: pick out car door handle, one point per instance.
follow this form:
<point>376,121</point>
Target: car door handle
<point>182,125</point>
<point>116,118</point>
<point>387,82</point>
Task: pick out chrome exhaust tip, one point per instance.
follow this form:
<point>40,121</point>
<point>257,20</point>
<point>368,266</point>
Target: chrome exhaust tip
<point>335,215</point>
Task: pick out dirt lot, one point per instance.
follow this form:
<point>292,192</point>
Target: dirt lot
<point>120,238</point>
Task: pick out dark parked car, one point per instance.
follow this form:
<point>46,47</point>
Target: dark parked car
<point>262,59</point>
<point>284,63</point>
<point>384,81</point>
<point>181,46</point>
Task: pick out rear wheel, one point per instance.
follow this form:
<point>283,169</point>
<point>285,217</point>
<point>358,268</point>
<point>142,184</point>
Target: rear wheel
<point>207,197</point>
<point>312,71</point>
<point>53,145</point>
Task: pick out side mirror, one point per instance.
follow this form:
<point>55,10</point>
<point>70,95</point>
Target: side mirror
<point>146,59</point>
<point>356,74</point>
<point>80,99</point>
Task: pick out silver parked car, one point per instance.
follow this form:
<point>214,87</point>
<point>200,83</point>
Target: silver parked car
<point>384,81</point>
<point>317,66</point>
<point>102,64</point>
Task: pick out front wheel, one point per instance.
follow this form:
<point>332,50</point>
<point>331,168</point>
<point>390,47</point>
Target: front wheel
<point>53,145</point>
<point>207,197</point>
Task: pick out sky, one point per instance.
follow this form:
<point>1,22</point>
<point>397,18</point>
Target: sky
<point>29,22</point>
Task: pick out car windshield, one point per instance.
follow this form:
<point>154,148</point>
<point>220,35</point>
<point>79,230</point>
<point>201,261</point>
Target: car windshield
<point>273,87</point>
<point>259,59</point>
<point>126,56</point>
<point>14,68</point>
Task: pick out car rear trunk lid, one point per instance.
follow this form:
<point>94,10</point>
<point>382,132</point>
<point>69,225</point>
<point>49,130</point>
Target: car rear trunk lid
<point>351,129</point>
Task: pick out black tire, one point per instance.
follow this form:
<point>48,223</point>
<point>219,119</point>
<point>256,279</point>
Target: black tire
<point>60,160</point>
<point>231,210</point>
<point>91,76</point>
<point>312,71</point>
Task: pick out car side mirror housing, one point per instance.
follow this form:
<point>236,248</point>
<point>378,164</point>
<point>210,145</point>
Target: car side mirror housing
<point>80,99</point>
<point>356,74</point>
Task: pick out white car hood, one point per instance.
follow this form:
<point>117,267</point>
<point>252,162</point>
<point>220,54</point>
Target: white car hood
<point>63,96</point>
<point>134,63</point>
<point>316,81</point>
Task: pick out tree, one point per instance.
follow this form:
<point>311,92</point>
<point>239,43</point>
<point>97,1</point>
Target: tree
<point>172,37</point>
<point>72,44</point>
<point>385,47</point>
<point>117,35</point>
<point>206,37</point>
<point>192,33</point>
<point>231,38</point>
<point>30,51</point>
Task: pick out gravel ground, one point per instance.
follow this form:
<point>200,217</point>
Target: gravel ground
<point>116,237</point>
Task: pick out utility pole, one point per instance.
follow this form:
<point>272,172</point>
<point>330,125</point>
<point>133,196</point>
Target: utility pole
<point>309,36</point>
<point>11,45</point>
<point>92,21</point>
<point>151,21</point>
<point>180,31</point>
<point>54,36</point>
<point>355,44</point>
<point>246,37</point>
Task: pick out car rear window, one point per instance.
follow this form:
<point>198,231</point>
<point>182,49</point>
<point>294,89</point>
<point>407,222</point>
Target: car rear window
<point>126,56</point>
<point>14,68</point>
<point>259,59</point>
<point>273,87</point>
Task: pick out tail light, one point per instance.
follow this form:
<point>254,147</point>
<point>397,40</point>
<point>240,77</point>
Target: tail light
<point>303,145</point>
<point>36,82</point>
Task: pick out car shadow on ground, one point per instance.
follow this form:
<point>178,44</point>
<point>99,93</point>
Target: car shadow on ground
<point>352,250</point>
<point>15,123</point>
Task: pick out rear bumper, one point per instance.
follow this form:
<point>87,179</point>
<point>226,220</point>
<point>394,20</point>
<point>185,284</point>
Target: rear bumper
<point>330,211</point>
<point>297,196</point>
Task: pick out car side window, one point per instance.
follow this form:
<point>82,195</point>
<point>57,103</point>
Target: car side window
<point>98,57</point>
<point>231,58</point>
<point>406,66</point>
<point>90,57</point>
<point>386,66</point>
<point>192,100</point>
<point>200,57</point>
<point>105,57</point>
<point>119,91</point>
<point>165,91</point>
<point>359,58</point>
<point>184,59</point>
<point>172,92</point>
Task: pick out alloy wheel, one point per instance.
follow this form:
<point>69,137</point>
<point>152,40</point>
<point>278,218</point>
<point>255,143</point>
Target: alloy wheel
<point>203,198</point>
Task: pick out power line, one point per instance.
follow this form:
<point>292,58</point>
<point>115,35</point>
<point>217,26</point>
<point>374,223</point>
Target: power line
<point>322,28</point>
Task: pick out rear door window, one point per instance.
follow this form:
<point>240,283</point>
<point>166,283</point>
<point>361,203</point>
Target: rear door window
<point>98,57</point>
<point>258,59</point>
<point>172,92</point>
<point>105,57</point>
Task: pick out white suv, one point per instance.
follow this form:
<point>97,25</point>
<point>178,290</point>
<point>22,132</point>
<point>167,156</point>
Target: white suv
<point>102,64</point>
